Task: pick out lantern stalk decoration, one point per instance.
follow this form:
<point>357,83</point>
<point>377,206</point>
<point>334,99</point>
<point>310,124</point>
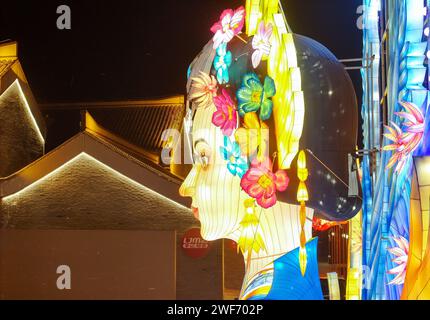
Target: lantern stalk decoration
<point>302,197</point>
<point>250,239</point>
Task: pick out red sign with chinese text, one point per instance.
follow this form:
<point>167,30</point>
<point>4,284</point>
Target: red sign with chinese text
<point>194,245</point>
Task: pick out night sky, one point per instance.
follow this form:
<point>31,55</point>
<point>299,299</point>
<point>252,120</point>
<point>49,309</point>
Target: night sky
<point>140,49</point>
<point>137,49</point>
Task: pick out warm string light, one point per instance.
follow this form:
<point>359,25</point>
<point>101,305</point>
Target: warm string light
<point>83,156</point>
<point>27,108</point>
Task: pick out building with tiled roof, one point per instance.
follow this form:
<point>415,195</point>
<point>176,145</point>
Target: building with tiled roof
<point>22,128</point>
<point>104,187</point>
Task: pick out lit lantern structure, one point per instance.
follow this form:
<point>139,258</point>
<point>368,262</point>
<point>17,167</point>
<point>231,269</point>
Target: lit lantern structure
<point>333,284</point>
<point>417,286</point>
<point>302,197</point>
<point>274,142</point>
<point>395,82</point>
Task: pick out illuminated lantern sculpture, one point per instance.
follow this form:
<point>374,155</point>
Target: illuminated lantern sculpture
<point>271,148</point>
<point>396,93</point>
<point>323,225</point>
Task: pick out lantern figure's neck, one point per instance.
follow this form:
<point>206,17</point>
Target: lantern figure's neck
<point>279,228</point>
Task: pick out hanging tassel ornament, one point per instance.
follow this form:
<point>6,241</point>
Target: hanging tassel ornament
<point>303,259</point>
<point>250,239</point>
<point>302,197</point>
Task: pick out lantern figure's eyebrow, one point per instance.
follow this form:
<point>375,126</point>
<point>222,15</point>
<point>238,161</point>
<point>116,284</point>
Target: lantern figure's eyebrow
<point>198,141</point>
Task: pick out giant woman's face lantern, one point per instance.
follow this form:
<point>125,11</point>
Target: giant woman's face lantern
<point>215,192</point>
<point>255,100</point>
<point>231,106</point>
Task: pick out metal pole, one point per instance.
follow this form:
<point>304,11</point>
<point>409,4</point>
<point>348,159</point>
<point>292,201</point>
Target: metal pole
<point>353,60</point>
<point>356,68</point>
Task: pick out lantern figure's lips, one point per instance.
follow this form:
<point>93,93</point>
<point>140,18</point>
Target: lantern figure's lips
<point>195,212</point>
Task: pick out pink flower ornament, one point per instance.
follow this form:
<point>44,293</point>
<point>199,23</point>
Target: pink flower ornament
<point>230,24</point>
<point>400,253</point>
<point>261,43</point>
<point>261,183</point>
<point>225,117</point>
<point>405,142</point>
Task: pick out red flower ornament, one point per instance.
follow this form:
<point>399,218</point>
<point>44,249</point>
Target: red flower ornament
<point>261,183</point>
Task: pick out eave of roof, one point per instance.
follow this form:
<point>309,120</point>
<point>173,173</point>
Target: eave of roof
<point>143,127</point>
<point>148,157</point>
<point>103,151</point>
<point>32,115</point>
<point>11,72</point>
<point>177,100</point>
<point>6,65</point>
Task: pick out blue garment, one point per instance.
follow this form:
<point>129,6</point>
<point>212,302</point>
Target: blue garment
<point>287,280</point>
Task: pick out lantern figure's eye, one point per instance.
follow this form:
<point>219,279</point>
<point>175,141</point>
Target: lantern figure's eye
<point>202,154</point>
